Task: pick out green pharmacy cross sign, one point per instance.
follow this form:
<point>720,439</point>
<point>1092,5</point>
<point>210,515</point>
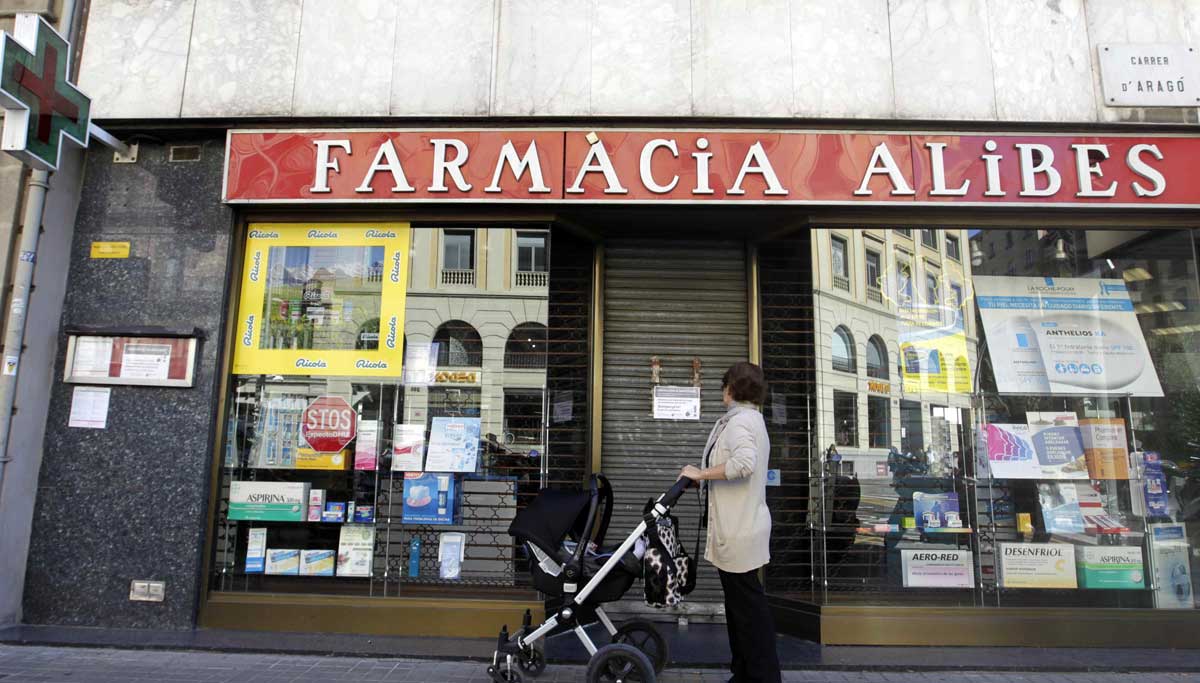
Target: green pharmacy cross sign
<point>42,107</point>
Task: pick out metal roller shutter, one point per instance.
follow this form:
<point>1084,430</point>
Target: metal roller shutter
<point>677,300</point>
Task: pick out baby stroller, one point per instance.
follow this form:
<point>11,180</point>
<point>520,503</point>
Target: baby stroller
<point>564,532</point>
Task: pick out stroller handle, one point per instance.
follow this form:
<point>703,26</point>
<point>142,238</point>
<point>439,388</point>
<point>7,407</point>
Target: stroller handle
<point>672,496</point>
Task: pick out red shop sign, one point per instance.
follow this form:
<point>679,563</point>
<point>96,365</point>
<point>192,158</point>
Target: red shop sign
<point>615,166</point>
<point>328,424</point>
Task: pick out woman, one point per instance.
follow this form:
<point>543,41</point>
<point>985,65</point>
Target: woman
<point>734,470</point>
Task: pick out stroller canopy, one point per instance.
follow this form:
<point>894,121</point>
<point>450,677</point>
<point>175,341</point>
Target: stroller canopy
<point>554,515</point>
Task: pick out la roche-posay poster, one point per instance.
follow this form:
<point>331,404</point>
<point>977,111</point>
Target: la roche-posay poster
<point>1064,336</point>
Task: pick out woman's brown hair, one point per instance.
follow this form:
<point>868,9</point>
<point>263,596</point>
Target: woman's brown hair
<point>745,382</point>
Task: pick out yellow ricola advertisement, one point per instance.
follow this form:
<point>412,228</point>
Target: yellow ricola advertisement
<point>322,299</point>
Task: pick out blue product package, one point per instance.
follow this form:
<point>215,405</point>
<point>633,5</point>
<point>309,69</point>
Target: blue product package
<point>364,514</point>
<point>414,557</point>
<point>430,498</point>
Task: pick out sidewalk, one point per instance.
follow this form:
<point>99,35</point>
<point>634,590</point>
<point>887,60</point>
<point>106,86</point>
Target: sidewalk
<point>35,663</point>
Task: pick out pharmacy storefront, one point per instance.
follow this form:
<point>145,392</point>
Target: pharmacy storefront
<point>983,353</point>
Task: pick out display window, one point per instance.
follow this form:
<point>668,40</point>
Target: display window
<point>388,410</point>
<point>1041,448</point>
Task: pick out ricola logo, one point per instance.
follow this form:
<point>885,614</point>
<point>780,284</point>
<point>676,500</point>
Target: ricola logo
<point>248,337</point>
<point>395,276</point>
<point>256,264</point>
<point>263,235</point>
<point>306,363</point>
<point>391,335</point>
<point>380,234</point>
<point>322,235</point>
<point>371,365</point>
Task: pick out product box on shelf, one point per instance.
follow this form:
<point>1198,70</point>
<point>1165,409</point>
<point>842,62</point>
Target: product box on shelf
<point>316,504</point>
<point>284,561</point>
<point>256,551</point>
<point>1172,571</point>
<point>317,562</point>
<point>1105,447</point>
<point>1110,566</point>
<point>308,459</point>
<point>364,514</point>
<point>1037,565</point>
<point>334,512</point>
<point>430,498</point>
<point>268,501</point>
<point>356,550</point>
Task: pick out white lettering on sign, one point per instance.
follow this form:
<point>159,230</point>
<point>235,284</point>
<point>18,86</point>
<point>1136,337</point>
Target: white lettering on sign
<point>644,165</point>
<point>1031,166</point>
<point>757,162</point>
<point>452,167</point>
<point>325,420</point>
<point>386,159</point>
<point>326,164</point>
<point>508,157</point>
<point>1086,170</point>
<point>882,162</point>
<point>702,158</point>
<point>597,161</point>
<point>1140,167</point>
<point>937,160</point>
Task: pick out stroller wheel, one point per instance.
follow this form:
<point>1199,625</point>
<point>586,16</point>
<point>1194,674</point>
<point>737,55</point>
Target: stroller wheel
<point>532,662</point>
<point>642,635</point>
<point>620,663</point>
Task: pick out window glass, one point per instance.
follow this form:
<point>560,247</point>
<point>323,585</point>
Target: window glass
<point>876,358</point>
<point>1040,432</point>
<point>838,247</point>
<point>392,478</point>
<point>952,248</point>
<point>874,272</point>
<point>458,250</point>
<point>879,422</point>
<point>531,252</point>
<point>904,283</point>
<point>843,350</point>
<point>929,238</point>
<point>845,418</point>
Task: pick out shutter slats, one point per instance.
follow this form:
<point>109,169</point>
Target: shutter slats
<point>675,300</point>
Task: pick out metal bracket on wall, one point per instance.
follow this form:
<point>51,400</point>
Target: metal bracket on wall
<point>130,158</point>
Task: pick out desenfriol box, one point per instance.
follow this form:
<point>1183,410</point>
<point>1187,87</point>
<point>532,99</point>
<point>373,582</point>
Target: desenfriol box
<point>268,501</point>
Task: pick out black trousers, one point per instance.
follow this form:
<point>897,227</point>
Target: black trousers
<point>751,629</point>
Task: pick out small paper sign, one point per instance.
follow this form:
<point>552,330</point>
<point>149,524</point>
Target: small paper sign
<point>676,403</point>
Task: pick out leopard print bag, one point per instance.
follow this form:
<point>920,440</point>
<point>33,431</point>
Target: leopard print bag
<point>668,572</point>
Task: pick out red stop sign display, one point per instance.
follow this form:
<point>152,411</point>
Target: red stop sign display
<point>328,424</point>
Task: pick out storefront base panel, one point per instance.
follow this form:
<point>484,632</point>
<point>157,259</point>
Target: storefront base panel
<point>988,626</point>
<point>468,618</point>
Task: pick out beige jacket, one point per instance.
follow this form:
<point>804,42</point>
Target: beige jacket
<point>739,523</point>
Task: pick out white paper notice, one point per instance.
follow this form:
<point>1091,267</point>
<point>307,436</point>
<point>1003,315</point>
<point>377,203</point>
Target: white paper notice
<point>564,407</point>
<point>92,356</point>
<point>420,364</point>
<point>89,407</point>
<point>408,448</point>
<point>146,361</point>
<point>676,403</point>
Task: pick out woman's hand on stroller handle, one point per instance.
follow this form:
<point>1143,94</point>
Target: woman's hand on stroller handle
<point>672,496</point>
